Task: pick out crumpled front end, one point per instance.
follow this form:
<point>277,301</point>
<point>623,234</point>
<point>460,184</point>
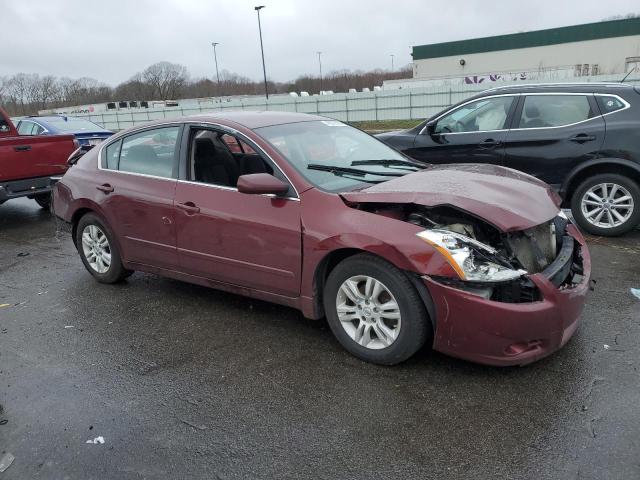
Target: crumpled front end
<point>521,320</point>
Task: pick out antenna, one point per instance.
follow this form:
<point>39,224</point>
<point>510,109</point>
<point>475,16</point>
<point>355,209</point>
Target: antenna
<point>625,77</point>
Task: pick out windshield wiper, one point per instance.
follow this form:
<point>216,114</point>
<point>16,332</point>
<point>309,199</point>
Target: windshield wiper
<point>338,170</point>
<point>390,162</point>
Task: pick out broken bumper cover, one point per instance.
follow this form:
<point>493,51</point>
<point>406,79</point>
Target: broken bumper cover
<point>497,333</point>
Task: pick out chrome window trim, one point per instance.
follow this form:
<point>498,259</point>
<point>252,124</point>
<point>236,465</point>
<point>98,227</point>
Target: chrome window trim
<point>232,130</point>
<point>232,189</point>
<point>627,105</point>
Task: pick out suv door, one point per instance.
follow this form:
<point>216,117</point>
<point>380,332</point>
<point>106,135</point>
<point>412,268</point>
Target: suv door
<point>472,132</point>
<point>252,241</point>
<point>136,183</point>
<point>552,133</point>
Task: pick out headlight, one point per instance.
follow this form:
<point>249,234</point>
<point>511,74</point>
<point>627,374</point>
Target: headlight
<point>472,260</point>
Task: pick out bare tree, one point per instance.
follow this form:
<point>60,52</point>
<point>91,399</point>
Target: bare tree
<point>166,79</point>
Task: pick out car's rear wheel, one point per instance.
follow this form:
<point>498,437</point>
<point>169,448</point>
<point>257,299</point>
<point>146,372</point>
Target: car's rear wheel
<point>43,199</point>
<point>374,311</point>
<point>99,251</point>
<point>607,205</point>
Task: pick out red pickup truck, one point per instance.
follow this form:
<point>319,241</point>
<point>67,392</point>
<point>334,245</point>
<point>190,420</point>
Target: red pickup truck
<point>27,163</point>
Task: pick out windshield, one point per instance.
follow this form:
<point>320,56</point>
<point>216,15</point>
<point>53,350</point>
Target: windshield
<point>72,124</point>
<point>310,146</point>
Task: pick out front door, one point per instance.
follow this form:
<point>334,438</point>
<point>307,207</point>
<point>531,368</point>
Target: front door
<point>253,241</point>
<point>473,132</point>
<point>551,134</point>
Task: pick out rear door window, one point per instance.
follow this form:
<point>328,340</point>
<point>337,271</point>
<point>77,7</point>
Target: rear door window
<point>543,111</point>
<point>152,152</point>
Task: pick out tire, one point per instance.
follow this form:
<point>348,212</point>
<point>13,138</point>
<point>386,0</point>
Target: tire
<point>97,232</point>
<point>609,225</point>
<point>408,334</point>
<point>44,200</point>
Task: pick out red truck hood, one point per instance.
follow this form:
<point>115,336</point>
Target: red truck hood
<point>506,198</point>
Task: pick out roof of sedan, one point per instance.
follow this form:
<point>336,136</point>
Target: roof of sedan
<point>253,119</point>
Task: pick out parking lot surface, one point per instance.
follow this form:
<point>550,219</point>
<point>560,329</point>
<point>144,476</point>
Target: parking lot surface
<point>187,382</point>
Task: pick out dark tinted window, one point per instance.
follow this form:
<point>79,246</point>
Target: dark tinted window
<point>541,111</point>
<point>151,152</point>
<point>4,126</point>
<point>112,155</point>
<point>609,103</point>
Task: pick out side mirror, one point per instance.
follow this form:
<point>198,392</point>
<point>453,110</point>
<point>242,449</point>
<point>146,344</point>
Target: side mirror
<point>261,183</point>
<point>431,128</point>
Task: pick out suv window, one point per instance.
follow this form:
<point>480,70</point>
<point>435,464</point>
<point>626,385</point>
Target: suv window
<point>540,111</point>
<point>609,103</point>
<point>26,128</point>
<point>481,115</point>
<point>151,152</point>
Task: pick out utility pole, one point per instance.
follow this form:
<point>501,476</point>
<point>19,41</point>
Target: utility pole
<point>215,57</point>
<point>264,69</point>
<point>320,65</point>
<point>392,55</point>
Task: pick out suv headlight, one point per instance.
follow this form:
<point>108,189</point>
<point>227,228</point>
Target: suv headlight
<point>472,260</point>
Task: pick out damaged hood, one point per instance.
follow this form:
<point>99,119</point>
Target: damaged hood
<point>506,198</point>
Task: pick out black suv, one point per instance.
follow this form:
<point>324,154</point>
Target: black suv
<point>583,139</point>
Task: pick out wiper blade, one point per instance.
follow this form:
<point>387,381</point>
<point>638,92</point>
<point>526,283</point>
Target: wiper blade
<point>389,162</point>
<point>338,170</point>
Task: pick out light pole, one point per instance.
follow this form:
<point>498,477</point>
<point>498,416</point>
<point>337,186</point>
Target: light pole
<point>264,69</point>
<point>215,57</point>
<point>320,65</point>
<point>392,55</point>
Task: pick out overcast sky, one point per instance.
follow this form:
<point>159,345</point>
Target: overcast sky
<point>111,40</point>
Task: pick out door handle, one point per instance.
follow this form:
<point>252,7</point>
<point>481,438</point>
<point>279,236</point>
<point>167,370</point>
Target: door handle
<point>189,207</point>
<point>490,143</point>
<point>22,148</point>
<point>106,188</point>
<point>582,137</point>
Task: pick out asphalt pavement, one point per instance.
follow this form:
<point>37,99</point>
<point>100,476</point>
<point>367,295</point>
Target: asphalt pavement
<point>182,381</point>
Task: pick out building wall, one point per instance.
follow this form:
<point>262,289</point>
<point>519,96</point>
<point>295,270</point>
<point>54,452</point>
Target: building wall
<point>608,53</point>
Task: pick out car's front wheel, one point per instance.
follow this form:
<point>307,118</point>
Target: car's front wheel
<point>99,251</point>
<point>374,311</point>
<point>607,205</point>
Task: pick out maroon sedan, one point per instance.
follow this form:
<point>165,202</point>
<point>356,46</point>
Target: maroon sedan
<point>477,261</point>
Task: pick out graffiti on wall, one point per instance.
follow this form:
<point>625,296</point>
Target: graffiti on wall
<point>496,77</point>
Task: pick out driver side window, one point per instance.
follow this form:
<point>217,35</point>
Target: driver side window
<point>481,115</point>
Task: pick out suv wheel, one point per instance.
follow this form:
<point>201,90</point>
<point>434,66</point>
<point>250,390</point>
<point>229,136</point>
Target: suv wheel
<point>374,311</point>
<point>43,199</point>
<point>98,250</point>
<point>607,204</point>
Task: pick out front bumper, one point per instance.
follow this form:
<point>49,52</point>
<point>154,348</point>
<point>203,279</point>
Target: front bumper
<point>502,334</point>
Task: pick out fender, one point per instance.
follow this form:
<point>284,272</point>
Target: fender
<point>412,264</point>
<point>595,162</point>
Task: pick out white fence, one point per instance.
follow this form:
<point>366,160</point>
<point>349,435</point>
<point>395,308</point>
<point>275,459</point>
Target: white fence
<point>404,104</point>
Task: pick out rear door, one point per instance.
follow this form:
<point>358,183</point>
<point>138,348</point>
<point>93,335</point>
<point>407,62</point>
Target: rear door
<point>552,133</point>
<point>472,132</point>
<point>135,186</point>
<point>253,241</point>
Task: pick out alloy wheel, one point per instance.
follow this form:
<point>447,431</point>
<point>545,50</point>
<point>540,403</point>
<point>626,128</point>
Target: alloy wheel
<point>96,248</point>
<point>607,205</point>
<point>368,312</point>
